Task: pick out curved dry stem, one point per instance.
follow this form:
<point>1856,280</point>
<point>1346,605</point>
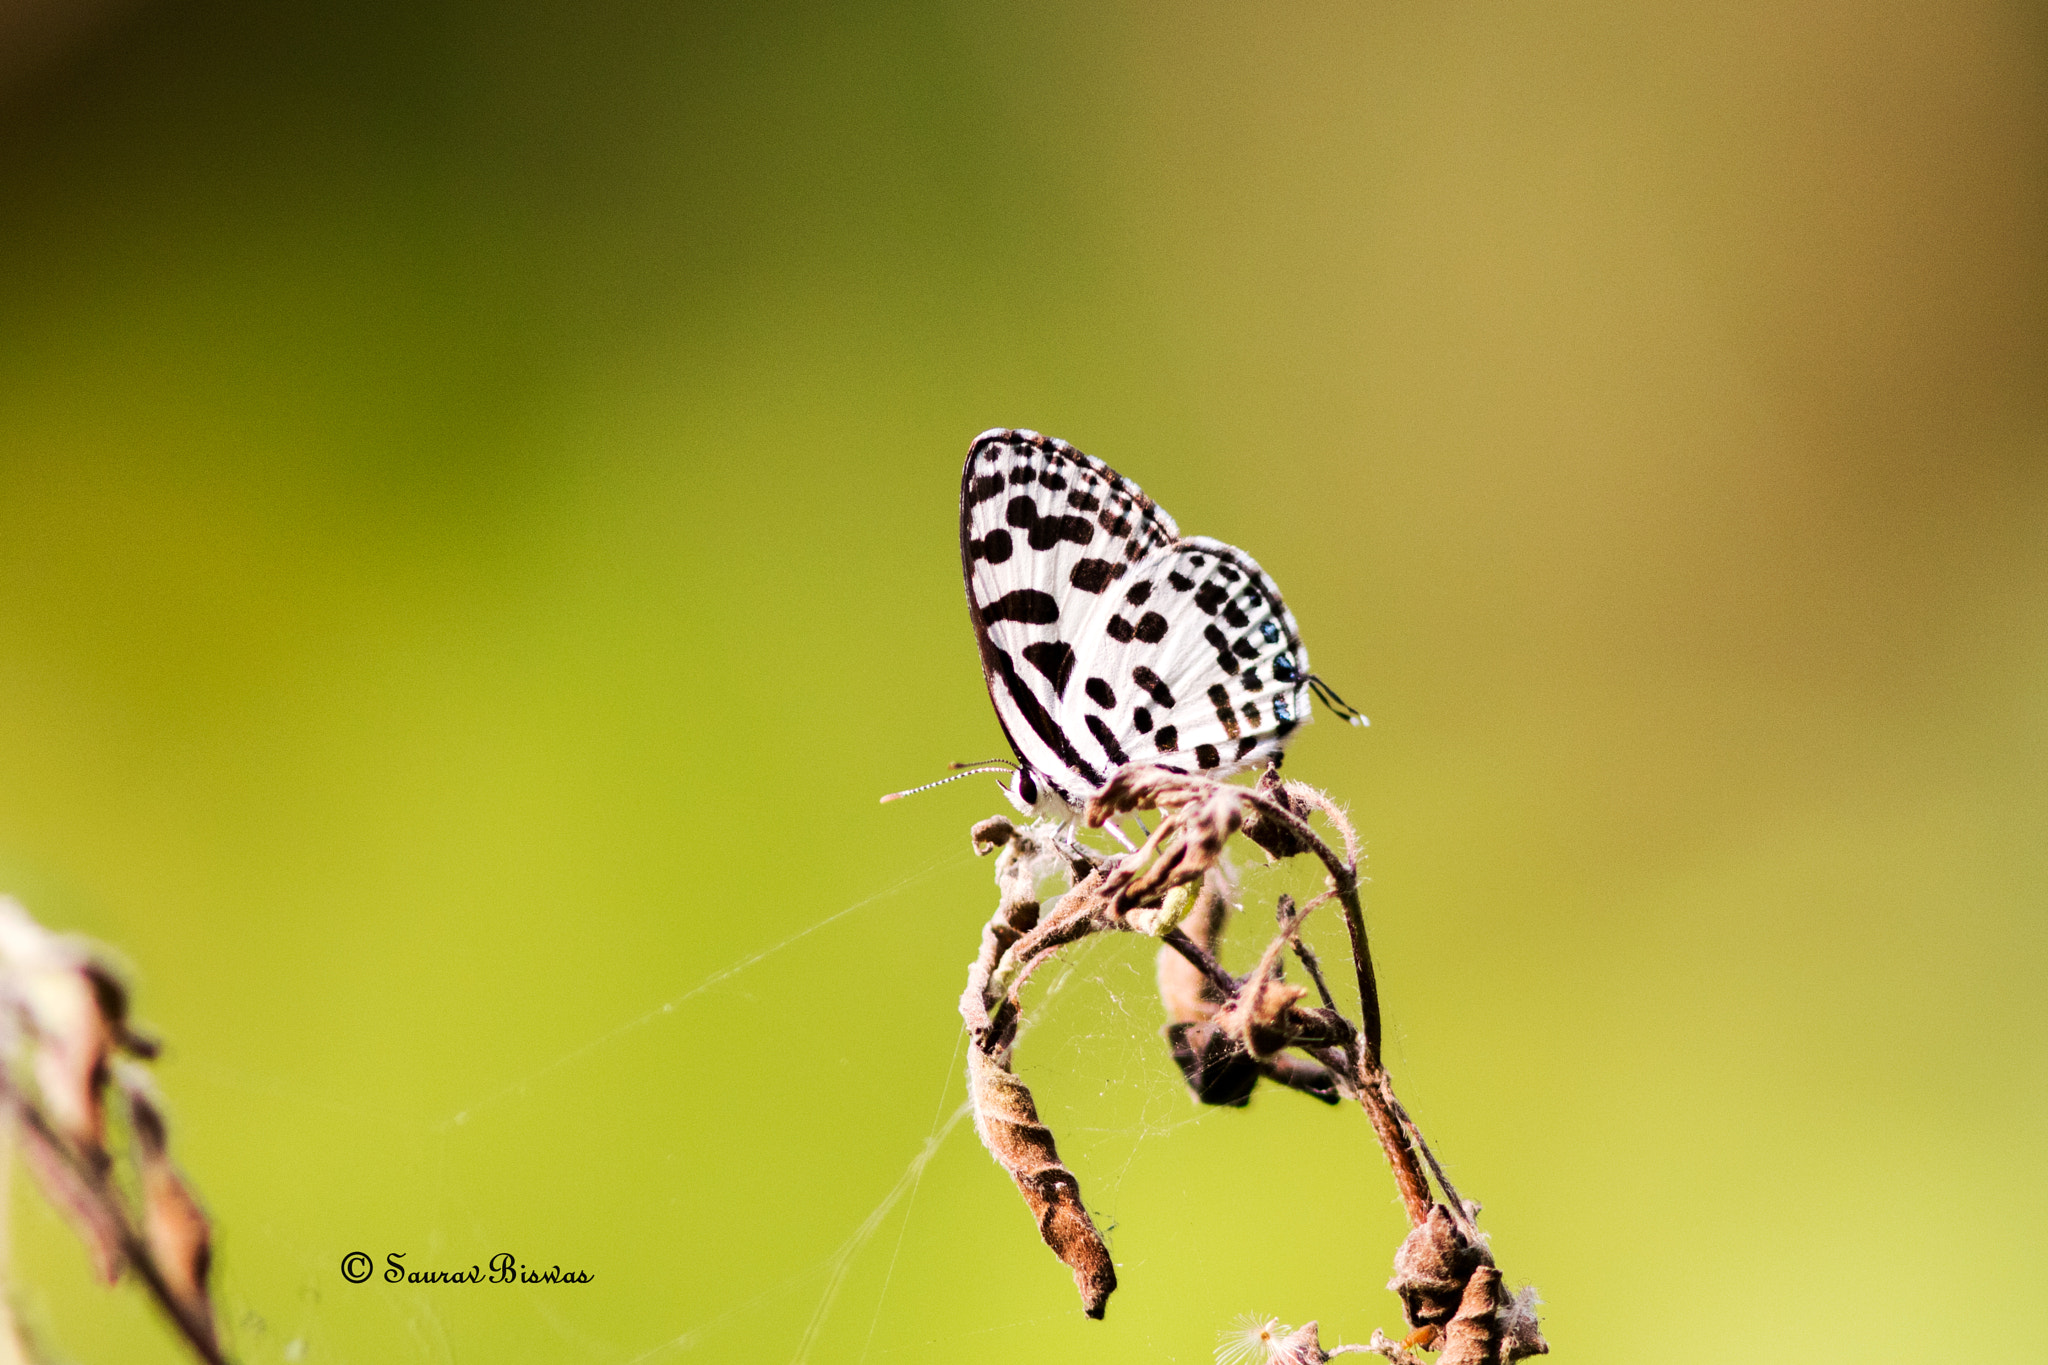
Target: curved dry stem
<point>1226,1033</point>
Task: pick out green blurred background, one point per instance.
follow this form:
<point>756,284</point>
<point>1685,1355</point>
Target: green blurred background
<point>477,534</point>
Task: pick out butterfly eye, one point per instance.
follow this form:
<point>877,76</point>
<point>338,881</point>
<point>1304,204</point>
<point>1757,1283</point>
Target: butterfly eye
<point>1027,790</point>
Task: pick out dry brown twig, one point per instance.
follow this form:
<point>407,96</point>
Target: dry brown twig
<point>64,1034</point>
<point>1225,1034</point>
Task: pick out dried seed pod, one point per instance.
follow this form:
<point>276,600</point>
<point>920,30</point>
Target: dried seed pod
<point>1008,1122</point>
<point>1432,1268</point>
<point>1446,1281</point>
<point>1279,838</point>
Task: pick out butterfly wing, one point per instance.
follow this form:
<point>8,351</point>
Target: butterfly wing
<point>1194,662</point>
<point>1047,534</point>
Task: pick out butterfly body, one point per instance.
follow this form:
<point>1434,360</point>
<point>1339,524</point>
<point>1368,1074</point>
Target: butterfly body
<point>1106,636</point>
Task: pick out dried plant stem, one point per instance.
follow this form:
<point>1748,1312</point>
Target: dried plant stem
<point>130,1247</point>
<point>68,1046</point>
<point>1226,1033</point>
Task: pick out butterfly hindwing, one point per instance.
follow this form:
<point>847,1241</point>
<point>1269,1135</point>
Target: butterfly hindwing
<point>1047,534</point>
<point>1195,663</point>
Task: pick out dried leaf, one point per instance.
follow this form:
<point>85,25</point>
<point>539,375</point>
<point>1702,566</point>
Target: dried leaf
<point>174,1227</point>
<point>1008,1122</point>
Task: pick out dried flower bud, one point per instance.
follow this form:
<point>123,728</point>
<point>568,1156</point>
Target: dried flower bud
<point>1198,816</point>
<point>1432,1268</point>
<point>1276,836</point>
<point>990,835</point>
<point>1256,1340</point>
<point>1447,1281</point>
<point>1302,1346</point>
<point>1259,1016</point>
<point>1519,1335</point>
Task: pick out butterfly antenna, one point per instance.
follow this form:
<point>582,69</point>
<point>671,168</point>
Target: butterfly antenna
<point>1343,709</point>
<point>993,766</point>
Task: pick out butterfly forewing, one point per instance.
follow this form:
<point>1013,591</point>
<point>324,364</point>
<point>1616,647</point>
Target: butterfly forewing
<point>1047,535</point>
<point>1193,662</point>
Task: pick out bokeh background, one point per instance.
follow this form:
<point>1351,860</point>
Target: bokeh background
<point>477,534</point>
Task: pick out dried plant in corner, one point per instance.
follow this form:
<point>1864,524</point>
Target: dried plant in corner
<point>1226,1033</point>
<point>65,1040</point>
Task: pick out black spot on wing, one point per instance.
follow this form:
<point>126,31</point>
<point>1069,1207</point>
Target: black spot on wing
<point>1225,660</point>
<point>1246,649</point>
<point>1181,582</point>
<point>1219,695</point>
<point>994,547</point>
<point>1168,739</point>
<point>1206,756</point>
<point>1210,597</point>
<point>1251,680</point>
<point>1099,693</point>
<point>1080,501</point>
<point>1153,684</point>
<point>1047,532</point>
<point>1141,718</point>
<point>1055,659</point>
<point>1093,575</point>
<point>984,488</point>
<point>1251,714</point>
<point>1151,628</point>
<point>1023,474</point>
<point>1137,593</point>
<point>1028,605</point>
<point>1246,745</point>
<point>1234,614</point>
<point>1119,630</point>
<point>1107,740</point>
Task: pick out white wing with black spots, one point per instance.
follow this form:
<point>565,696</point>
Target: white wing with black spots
<point>1106,638</point>
<point>1045,533</point>
<point>1195,664</point>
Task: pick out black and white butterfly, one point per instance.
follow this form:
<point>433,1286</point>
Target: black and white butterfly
<point>1109,638</point>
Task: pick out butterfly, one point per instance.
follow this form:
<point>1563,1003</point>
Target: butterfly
<point>1109,638</point>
